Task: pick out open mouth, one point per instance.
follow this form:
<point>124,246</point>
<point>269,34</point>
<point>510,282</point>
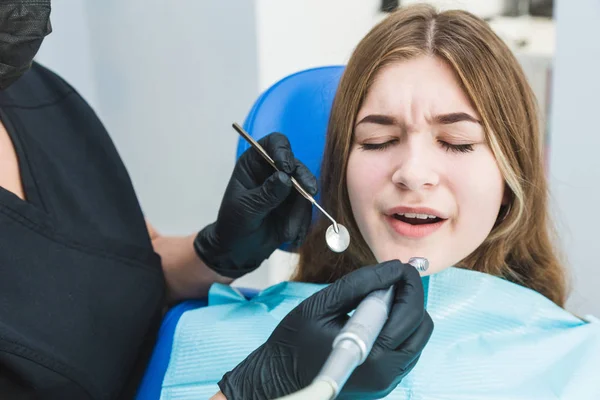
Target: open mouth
<point>417,219</point>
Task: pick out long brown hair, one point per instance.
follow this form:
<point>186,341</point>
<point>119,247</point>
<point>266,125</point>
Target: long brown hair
<point>521,245</point>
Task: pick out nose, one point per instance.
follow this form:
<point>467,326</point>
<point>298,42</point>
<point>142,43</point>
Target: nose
<point>415,169</point>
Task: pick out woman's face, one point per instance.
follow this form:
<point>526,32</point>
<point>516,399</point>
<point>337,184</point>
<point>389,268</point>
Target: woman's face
<point>421,179</point>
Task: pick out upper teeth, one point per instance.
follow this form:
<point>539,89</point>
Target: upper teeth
<point>421,216</point>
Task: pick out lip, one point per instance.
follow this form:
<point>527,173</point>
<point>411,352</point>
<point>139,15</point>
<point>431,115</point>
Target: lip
<point>414,231</point>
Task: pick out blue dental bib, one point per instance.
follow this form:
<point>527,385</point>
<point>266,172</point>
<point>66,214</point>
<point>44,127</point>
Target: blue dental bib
<point>492,340</point>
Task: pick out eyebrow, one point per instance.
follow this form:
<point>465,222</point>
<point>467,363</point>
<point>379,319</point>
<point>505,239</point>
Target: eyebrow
<point>442,119</point>
<point>446,119</point>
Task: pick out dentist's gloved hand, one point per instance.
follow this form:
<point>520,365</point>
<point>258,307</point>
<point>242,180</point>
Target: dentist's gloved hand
<point>259,212</point>
<point>298,347</point>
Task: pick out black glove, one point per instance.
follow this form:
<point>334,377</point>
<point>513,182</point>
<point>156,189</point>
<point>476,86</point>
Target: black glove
<point>260,210</point>
<point>298,347</point>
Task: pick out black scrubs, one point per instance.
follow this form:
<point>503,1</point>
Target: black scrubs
<point>81,289</point>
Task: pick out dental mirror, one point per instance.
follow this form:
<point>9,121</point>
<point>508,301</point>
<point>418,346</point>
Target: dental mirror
<point>337,241</point>
<point>337,236</point>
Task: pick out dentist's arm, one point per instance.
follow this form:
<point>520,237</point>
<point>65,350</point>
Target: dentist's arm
<point>186,275</point>
<point>298,347</point>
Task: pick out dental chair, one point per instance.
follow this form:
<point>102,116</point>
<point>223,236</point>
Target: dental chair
<point>297,106</point>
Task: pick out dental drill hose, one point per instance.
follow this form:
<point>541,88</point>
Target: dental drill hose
<point>354,343</point>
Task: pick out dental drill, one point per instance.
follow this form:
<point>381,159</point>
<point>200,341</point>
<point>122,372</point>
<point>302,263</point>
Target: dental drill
<point>354,343</point>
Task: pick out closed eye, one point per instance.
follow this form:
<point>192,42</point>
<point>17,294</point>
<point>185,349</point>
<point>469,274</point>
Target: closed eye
<point>457,148</point>
<point>378,146</point>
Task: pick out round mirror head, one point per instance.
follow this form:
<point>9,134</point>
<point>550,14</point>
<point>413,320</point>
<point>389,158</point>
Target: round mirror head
<point>337,241</point>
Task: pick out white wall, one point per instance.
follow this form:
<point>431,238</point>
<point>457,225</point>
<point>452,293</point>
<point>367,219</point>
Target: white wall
<point>575,140</point>
<point>171,80</point>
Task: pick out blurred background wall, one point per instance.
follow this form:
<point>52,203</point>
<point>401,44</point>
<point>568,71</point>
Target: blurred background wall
<point>168,79</point>
<point>574,163</point>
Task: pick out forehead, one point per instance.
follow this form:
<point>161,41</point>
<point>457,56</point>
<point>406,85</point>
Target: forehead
<point>424,84</point>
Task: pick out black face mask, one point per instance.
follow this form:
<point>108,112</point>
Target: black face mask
<point>23,26</point>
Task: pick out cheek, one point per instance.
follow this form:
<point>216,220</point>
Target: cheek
<point>479,189</point>
<point>365,177</point>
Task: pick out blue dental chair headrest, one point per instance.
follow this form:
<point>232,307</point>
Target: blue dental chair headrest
<point>297,106</point>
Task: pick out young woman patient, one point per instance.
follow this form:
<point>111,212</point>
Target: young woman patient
<point>433,150</point>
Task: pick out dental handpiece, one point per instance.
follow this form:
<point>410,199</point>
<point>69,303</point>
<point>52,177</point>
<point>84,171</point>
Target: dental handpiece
<point>355,341</point>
